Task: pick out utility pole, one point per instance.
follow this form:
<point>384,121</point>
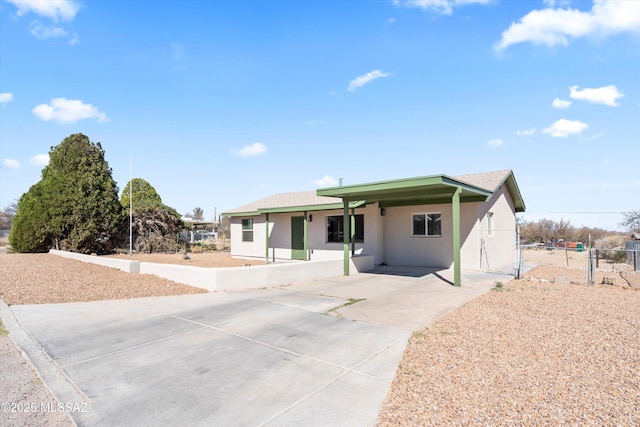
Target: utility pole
<point>130,205</point>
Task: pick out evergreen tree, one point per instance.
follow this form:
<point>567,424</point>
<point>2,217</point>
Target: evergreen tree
<point>155,224</point>
<point>30,226</point>
<point>143,194</point>
<point>74,206</point>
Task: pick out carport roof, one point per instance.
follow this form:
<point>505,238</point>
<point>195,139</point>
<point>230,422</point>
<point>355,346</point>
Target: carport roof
<point>430,190</point>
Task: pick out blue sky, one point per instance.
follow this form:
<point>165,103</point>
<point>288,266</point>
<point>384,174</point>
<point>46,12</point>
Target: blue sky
<point>220,103</point>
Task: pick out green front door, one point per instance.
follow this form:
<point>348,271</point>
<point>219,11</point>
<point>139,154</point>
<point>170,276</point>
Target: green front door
<point>297,238</point>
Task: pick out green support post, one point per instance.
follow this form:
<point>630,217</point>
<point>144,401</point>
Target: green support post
<point>455,202</point>
<point>352,234</point>
<point>266,254</point>
<point>346,233</point>
<point>306,258</point>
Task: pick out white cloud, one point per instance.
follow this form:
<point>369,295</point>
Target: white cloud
<point>6,97</point>
<point>39,160</point>
<point>43,32</point>
<point>367,78</point>
<point>595,136</point>
<point>563,128</point>
<point>254,149</point>
<point>64,10</point>
<point>527,132</point>
<point>326,181</point>
<point>444,7</point>
<point>65,110</point>
<point>606,95</point>
<point>561,103</point>
<point>495,143</point>
<point>11,164</point>
<point>554,3</point>
<point>552,27</point>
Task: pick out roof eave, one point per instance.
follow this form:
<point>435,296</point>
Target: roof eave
<point>376,191</point>
<point>514,191</point>
<point>289,209</point>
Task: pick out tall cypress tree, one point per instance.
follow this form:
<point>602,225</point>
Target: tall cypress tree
<point>77,199</point>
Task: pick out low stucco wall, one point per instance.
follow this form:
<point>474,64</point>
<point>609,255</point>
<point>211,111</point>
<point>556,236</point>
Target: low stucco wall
<point>233,278</point>
<point>128,266</point>
<point>257,276</point>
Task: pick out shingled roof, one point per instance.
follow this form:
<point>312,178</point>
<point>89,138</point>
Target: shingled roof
<point>486,181</point>
<point>285,200</point>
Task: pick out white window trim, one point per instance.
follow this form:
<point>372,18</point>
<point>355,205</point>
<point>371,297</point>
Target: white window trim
<point>490,224</point>
<point>426,225</point>
<point>242,229</point>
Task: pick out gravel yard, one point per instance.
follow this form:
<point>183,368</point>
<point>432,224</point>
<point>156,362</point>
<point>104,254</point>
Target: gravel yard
<point>529,354</point>
<point>44,278</point>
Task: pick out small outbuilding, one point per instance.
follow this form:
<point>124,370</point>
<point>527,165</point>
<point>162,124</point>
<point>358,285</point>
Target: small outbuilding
<point>460,222</point>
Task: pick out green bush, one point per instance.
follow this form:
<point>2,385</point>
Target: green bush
<point>618,255</point>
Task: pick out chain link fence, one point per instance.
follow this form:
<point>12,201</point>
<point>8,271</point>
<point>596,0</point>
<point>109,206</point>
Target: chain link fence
<point>572,262</point>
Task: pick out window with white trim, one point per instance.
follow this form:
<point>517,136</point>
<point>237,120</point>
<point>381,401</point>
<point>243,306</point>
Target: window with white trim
<point>247,230</point>
<point>428,224</point>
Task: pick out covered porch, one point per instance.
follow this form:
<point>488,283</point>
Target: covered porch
<point>429,190</point>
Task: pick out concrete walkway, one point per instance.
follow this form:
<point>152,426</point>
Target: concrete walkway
<point>305,354</point>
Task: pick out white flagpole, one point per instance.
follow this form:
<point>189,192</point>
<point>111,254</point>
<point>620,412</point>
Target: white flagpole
<point>130,205</point>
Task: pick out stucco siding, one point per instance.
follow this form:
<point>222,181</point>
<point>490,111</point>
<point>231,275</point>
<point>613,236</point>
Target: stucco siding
<point>317,245</point>
<point>400,248</point>
<point>470,235</point>
<point>499,242</point>
<point>248,249</point>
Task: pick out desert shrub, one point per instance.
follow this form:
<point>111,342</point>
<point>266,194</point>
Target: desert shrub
<point>611,247</point>
<point>618,255</point>
<point>201,247</point>
<point>611,241</point>
<point>155,243</point>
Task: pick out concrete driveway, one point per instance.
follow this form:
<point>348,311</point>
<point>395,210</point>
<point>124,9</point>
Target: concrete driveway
<point>314,353</point>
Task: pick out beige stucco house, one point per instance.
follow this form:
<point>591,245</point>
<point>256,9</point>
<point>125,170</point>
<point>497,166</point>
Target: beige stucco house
<point>460,222</point>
